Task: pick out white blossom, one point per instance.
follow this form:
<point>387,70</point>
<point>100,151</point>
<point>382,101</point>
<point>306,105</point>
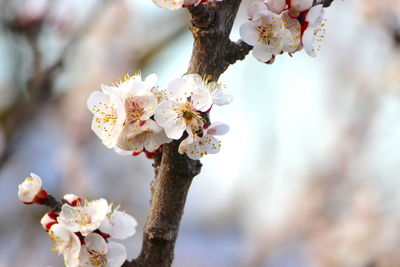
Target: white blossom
<point>206,93</point>
<point>197,146</point>
<point>141,135</point>
<point>109,115</point>
<point>97,252</point>
<point>85,217</point>
<point>276,6</point>
<point>118,224</point>
<point>180,111</point>
<point>30,188</point>
<point>120,105</point>
<point>301,5</point>
<point>315,32</point>
<point>291,33</point>
<point>67,243</point>
<point>265,33</point>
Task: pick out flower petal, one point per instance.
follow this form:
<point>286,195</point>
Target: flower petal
<point>96,243</point>
<point>262,52</point>
<point>249,33</point>
<point>119,225</point>
<point>301,5</point>
<point>116,255</point>
<point>218,128</point>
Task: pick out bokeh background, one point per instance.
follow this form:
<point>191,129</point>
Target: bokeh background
<point>308,175</point>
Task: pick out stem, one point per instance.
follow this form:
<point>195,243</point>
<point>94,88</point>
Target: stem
<point>211,25</point>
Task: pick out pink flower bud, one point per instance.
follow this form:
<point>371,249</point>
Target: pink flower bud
<point>48,220</point>
<point>72,199</point>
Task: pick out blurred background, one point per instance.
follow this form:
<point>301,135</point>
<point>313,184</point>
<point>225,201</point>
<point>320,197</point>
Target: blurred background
<point>308,175</point>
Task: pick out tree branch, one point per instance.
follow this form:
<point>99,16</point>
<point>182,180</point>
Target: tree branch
<point>213,52</point>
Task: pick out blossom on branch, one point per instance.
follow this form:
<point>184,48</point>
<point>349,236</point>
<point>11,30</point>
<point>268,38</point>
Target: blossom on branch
<point>97,252</point>
<point>83,218</point>
<point>67,243</point>
<point>197,146</point>
<point>278,26</point>
<point>265,32</point>
<point>314,30</point>
<point>30,191</point>
<point>117,224</point>
<point>142,135</point>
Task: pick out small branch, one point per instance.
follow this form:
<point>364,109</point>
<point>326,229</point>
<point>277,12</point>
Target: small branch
<point>237,51</point>
<point>210,25</point>
<point>52,203</point>
<point>169,191</point>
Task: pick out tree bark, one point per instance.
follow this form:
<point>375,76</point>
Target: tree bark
<point>213,52</point>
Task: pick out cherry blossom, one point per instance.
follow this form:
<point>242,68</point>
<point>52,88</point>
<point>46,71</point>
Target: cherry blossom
<point>118,224</point>
<point>109,115</point>
<point>97,252</point>
<point>196,146</point>
<point>142,135</point>
<point>118,107</point>
<point>83,218</point>
<point>291,32</point>
<point>30,191</point>
<point>180,111</point>
<point>67,243</point>
<point>265,33</point>
<point>206,93</point>
<point>314,31</point>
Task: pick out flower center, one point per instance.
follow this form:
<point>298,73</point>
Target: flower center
<point>134,110</point>
<point>192,117</point>
<point>97,259</point>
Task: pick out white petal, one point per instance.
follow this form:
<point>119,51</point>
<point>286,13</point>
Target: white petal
<point>116,254</point>
<point>308,41</point>
<point>301,5</point>
<point>262,52</point>
<point>29,188</point>
<point>249,33</point>
<point>210,144</point>
<point>109,116</point>
<point>96,243</point>
<point>167,117</point>
<point>190,146</point>
<point>151,80</point>
<point>315,14</point>
<point>98,209</point>
<point>67,243</point>
<point>255,8</point>
<point>218,128</point>
<point>276,6</point>
<point>119,225</point>
<point>202,99</point>
<point>180,89</point>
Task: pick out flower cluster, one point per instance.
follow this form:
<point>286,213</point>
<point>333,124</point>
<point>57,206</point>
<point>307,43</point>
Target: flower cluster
<point>279,26</point>
<point>136,116</point>
<point>176,4</point>
<point>80,229</point>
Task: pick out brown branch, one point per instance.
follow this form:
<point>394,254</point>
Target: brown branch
<point>213,52</point>
<point>52,203</point>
